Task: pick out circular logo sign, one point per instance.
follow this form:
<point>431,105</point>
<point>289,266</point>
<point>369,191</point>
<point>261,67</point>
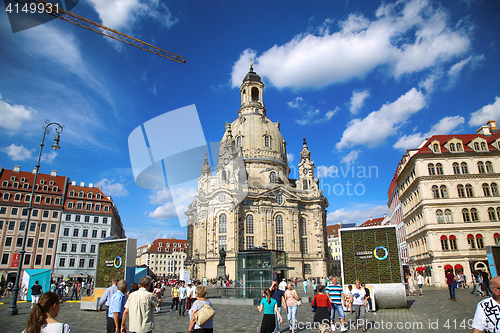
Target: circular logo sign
<point>380,248</point>
<point>117,262</point>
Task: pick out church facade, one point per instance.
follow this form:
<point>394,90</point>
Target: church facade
<point>250,206</point>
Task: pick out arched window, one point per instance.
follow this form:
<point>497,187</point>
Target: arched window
<point>498,213</point>
<point>461,192</point>
<point>431,169</point>
<point>303,227</point>
<point>496,236</point>
<point>444,191</point>
<point>223,175</point>
<point>447,216</point>
<point>494,189</point>
<point>465,169</point>
<point>238,141</point>
<point>468,190</point>
<point>439,169</point>
<point>486,190</point>
<point>476,146</point>
<point>279,224</point>
<point>470,241</point>
<point>479,241</point>
<point>491,214</point>
<point>435,147</point>
<point>489,167</point>
<point>459,147</point>
<point>444,243</point>
<point>81,194</point>
<point>267,141</point>
<point>249,224</point>
<point>71,193</point>
<point>480,167</point>
<point>473,215</point>
<point>255,94</point>
<point>305,184</point>
<point>452,147</point>
<point>439,216</point>
<point>272,177</point>
<point>456,168</point>
<point>466,215</point>
<point>89,195</point>
<point>453,242</point>
<point>483,146</point>
<point>435,192</point>
<point>98,196</point>
<point>222,223</point>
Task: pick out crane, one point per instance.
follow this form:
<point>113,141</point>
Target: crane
<point>60,13</point>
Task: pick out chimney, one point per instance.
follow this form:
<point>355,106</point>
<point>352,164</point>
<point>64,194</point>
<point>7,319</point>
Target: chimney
<point>82,184</point>
<point>17,168</point>
<point>34,170</point>
<point>371,218</point>
<point>73,183</point>
<point>493,125</point>
<point>484,130</point>
<point>53,173</point>
<point>385,215</point>
<point>91,185</point>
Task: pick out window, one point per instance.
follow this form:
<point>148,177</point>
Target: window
<point>238,141</point>
<point>87,218</point>
<point>279,200</point>
<point>98,196</point>
<point>222,242</point>
<point>486,190</point>
<point>459,147</point>
<point>280,243</point>
<point>483,146</point>
<point>5,183</point>
<point>272,177</point>
<point>435,192</point>
<point>83,248</point>
<point>38,259</point>
<point>6,196</point>
<point>496,236</point>
<point>439,169</point>
<point>47,200</point>
<point>468,190</point>
<point>22,225</point>
<point>12,225</point>
<point>303,227</point>
<point>62,262</point>
<point>89,195</point>
<point>489,167</point>
<point>34,213</point>
<point>17,197</point>
<point>43,227</point>
<point>50,244</point>
<point>24,212</point>
<point>53,227</point>
<point>494,189</point>
<point>80,194</point>
<point>106,208</point>
<point>439,216</point>
<point>73,247</point>
<point>453,242</point>
<point>464,167</point>
<point>57,201</point>
<point>267,141</point>
<point>305,184</point>
<point>30,242</point>
<point>19,242</point>
<point>5,259</point>
<point>222,223</point>
<point>88,206</point>
<point>444,191</point>
<point>473,215</point>
<point>479,241</point>
<point>26,186</point>
<point>304,245</point>
<point>45,213</point>
<point>447,216</point>
<point>92,248</point>
<point>249,224</point>
<point>70,205</point>
<point>76,232</point>
<point>3,210</point>
<point>78,218</point>
<point>85,233</point>
<point>96,219</point>
<point>38,199</point>
<point>66,232</point>
<point>48,259</point>
<point>94,233</point>
<point>103,234</point>
<point>55,214</point>
<point>466,215</point>
<point>432,170</point>
<point>32,226</point>
<point>91,263</point>
<point>40,242</point>
<point>279,224</point>
<point>480,167</point>
<point>452,147</point>
<point>476,146</point>
<point>8,241</point>
<point>249,243</point>
<point>456,168</point>
<point>72,262</point>
<point>491,214</point>
<point>98,208</point>
<point>27,259</point>
<point>104,220</point>
<point>68,217</point>
<point>79,206</point>
<point>444,243</point>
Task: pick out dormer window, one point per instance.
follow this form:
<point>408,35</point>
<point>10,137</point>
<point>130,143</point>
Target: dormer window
<point>89,195</point>
<point>55,189</point>
<point>483,146</point>
<point>81,194</point>
<point>51,183</point>
<point>26,185</point>
<point>160,244</point>
<point>45,188</point>
<point>476,145</point>
<point>42,181</point>
<point>13,178</point>
<point>23,179</point>
<point>71,193</point>
<point>452,147</point>
<point>15,185</point>
<point>98,196</point>
<point>5,183</point>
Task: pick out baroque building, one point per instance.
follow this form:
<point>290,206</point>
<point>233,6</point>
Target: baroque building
<point>266,222</point>
<point>448,188</point>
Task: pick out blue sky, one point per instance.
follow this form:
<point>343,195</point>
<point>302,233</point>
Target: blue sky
<point>362,80</point>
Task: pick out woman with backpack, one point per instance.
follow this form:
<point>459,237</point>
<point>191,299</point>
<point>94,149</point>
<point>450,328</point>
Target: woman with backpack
<point>201,301</point>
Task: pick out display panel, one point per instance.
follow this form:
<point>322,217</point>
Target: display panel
<point>111,262</point>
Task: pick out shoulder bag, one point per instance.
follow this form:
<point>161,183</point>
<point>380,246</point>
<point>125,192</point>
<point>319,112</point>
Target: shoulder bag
<point>204,314</point>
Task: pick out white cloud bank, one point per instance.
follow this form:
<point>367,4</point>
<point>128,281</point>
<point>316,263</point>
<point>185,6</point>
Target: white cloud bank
<point>18,153</point>
<point>358,215</point>
<point>486,113</point>
<point>112,188</point>
<point>168,210</point>
<point>14,116</point>
<point>443,127</point>
<point>407,37</point>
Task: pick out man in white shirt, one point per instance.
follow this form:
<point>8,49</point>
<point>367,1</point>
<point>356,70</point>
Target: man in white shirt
<point>420,282</point>
<point>282,285</point>
<point>140,307</point>
<point>106,297</point>
<point>487,317</point>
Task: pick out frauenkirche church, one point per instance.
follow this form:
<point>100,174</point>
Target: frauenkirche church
<point>270,226</point>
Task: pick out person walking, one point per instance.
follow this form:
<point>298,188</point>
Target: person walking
<point>74,289</point>
<point>323,309</point>
<point>282,285</point>
<point>359,300</point>
<point>201,300</point>
<point>36,292</point>
<point>368,298</point>
<point>348,299</point>
<point>304,283</point>
<point>116,308</point>
<point>291,301</point>
<point>411,285</point>
<point>270,308</point>
<point>106,297</point>
<point>336,294</point>
<point>42,317</point>
<point>158,293</point>
<point>52,286</point>
<point>182,299</point>
<point>486,282</point>
<point>420,282</point>
<point>279,296</point>
<point>487,316</point>
<point>140,307</point>
<point>450,280</point>
<point>175,297</point>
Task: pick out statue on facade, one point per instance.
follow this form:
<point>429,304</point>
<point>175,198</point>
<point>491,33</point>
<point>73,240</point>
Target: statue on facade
<point>222,259</point>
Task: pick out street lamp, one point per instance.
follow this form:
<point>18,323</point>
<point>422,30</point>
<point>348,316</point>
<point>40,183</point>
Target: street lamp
<point>12,310</point>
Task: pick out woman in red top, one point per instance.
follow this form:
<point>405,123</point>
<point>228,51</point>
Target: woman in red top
<point>323,307</point>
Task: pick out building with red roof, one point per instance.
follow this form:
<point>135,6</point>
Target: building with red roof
<point>164,256</point>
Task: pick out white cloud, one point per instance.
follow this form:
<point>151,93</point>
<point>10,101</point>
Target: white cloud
<point>331,113</point>
<point>326,171</point>
<point>174,202</point>
<point>378,125</point>
<point>486,113</point>
<point>49,157</point>
<point>455,70</point>
<point>351,157</point>
<point>241,67</point>
<point>14,116</point>
<point>290,157</point>
<point>443,127</point>
<point>297,102</point>
<point>359,216</point>
<point>309,113</point>
<point>358,100</point>
<point>160,196</point>
<point>428,84</point>
<point>122,14</point>
<point>18,153</point>
<point>407,38</point>
<point>112,188</point>
<point>164,212</point>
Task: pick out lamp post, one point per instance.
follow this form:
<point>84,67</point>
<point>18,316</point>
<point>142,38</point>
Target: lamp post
<point>12,310</point>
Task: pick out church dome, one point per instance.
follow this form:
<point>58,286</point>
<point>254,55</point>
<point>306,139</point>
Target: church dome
<point>252,76</point>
